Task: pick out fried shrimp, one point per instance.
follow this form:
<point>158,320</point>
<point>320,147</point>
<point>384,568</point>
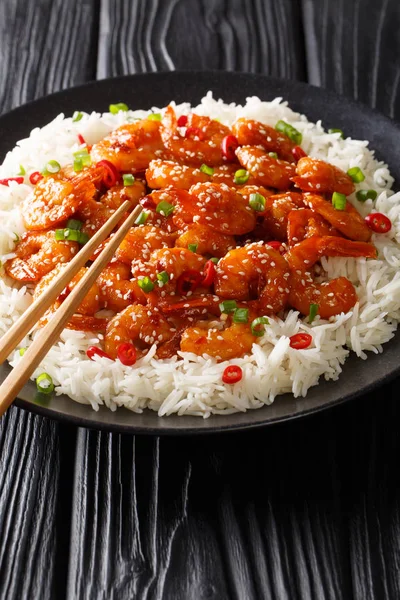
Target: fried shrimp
<point>313,175</point>
<point>254,133</point>
<point>117,288</point>
<point>305,223</point>
<point>207,240</point>
<point>141,241</point>
<point>162,173</point>
<point>269,171</point>
<point>222,344</point>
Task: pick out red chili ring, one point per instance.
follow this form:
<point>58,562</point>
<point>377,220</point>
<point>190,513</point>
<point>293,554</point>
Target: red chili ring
<point>300,341</point>
<point>35,177</point>
<point>378,222</point>
<point>188,281</point>
<point>126,353</point>
<point>209,273</point>
<point>229,146</point>
<point>298,153</point>
<point>6,181</point>
<point>93,351</point>
<point>232,374</point>
<point>111,175</point>
<point>194,132</point>
<point>81,139</point>
<point>182,121</point>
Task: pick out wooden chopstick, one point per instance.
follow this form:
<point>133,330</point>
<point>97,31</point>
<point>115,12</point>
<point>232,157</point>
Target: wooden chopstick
<point>41,345</point>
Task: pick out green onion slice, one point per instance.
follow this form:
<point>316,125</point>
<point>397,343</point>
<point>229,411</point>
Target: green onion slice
<point>215,260</point>
<point>339,201</point>
<point>83,238</point>
<point>71,235</point>
<point>241,176</point>
<point>257,202</point>
<point>44,383</point>
<point>228,306</point>
<point>289,131</point>
<point>74,224</point>
<point>21,170</point>
<point>273,154</point>
<point>51,167</point>
<point>241,315</point>
<point>142,218</point>
<point>116,108</point>
<point>22,351</point>
<point>128,179</point>
<point>192,247</point>
<point>356,174</point>
<point>83,156</point>
<point>77,116</point>
<point>154,117</point>
<point>364,195</point>
<point>313,312</point>
<point>336,131</point>
<point>206,169</point>
<point>163,277</point>
<point>165,208</point>
<point>146,284</point>
<point>255,326</point>
<point>78,165</point>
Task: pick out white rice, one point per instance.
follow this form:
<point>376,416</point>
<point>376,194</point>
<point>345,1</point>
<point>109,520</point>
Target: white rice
<point>189,384</point>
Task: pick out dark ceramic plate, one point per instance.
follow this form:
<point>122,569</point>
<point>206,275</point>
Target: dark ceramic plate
<point>145,91</point>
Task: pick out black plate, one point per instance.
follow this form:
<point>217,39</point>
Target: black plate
<point>157,89</point>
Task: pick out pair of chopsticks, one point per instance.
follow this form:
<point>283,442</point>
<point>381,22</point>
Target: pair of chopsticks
<point>41,345</point>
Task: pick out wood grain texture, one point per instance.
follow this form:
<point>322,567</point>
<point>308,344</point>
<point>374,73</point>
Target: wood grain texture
<point>354,48</point>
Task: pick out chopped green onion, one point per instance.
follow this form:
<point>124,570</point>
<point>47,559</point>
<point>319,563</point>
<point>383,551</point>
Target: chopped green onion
<point>228,306</point>
<point>273,154</point>
<point>336,131</point>
<point>128,179</point>
<point>84,157</point>
<point>51,167</point>
<point>78,165</point>
<point>44,383</point>
<point>21,170</point>
<point>22,351</point>
<point>154,117</point>
<point>356,174</point>
<point>215,260</point>
<point>313,312</point>
<point>142,218</point>
<point>338,201</point>
<point>77,116</point>
<point>71,235</point>
<point>241,315</point>
<point>165,208</point>
<point>83,238</point>
<point>116,108</point>
<point>163,277</point>
<point>364,195</point>
<point>290,131</point>
<point>206,169</point>
<point>241,176</point>
<point>192,247</point>
<point>255,326</point>
<point>146,284</point>
<point>17,238</point>
<point>257,202</point>
<point>74,224</point>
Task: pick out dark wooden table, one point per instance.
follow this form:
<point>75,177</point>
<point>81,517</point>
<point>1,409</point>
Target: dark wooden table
<point>309,509</point>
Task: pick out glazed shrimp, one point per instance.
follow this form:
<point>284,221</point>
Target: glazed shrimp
<point>137,323</point>
<point>270,172</point>
<point>226,174</point>
<point>162,173</point>
<point>117,288</point>
<point>254,133</point>
<point>332,297</point>
<point>141,241</point>
<point>37,254</point>
<point>57,197</point>
<point>220,208</point>
<point>200,143</point>
<point>207,240</point>
<point>247,190</point>
<point>224,344</point>
<point>313,175</point>
<point>175,261</point>
<point>131,147</point>
<point>348,221</point>
<point>276,213</point>
<point>254,271</point>
<point>305,223</point>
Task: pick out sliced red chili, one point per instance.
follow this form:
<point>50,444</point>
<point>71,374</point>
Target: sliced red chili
<point>232,374</point>
<point>148,202</point>
<point>298,153</point>
<point>194,132</point>
<point>35,177</point>
<point>93,351</point>
<point>300,341</point>
<point>126,353</point>
<point>7,181</point>
<point>229,146</point>
<point>81,139</point>
<point>111,174</point>
<point>188,282</point>
<point>209,273</point>
<point>378,222</point>
<point>182,121</point>
<point>276,246</point>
